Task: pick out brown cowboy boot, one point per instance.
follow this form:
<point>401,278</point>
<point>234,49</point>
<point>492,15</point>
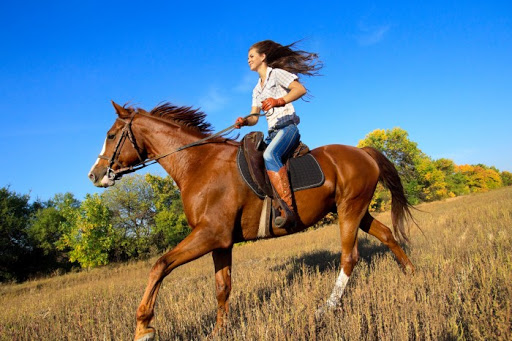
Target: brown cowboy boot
<point>281,184</point>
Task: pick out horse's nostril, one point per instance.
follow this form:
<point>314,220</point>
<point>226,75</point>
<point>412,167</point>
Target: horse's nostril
<point>92,177</point>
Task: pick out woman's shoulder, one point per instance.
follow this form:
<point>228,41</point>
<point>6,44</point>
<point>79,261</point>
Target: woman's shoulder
<point>284,76</point>
<point>279,71</point>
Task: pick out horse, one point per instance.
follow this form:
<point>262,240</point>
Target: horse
<point>222,210</point>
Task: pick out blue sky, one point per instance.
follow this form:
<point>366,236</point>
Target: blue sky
<point>441,70</point>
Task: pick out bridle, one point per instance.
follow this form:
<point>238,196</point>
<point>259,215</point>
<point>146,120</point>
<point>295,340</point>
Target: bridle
<point>127,133</point>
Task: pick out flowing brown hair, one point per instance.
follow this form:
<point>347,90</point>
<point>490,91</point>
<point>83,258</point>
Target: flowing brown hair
<point>288,58</point>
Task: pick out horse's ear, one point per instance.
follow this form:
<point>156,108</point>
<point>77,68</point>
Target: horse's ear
<point>121,112</point>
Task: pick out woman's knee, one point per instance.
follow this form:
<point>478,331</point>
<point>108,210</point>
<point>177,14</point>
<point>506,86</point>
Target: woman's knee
<point>268,155</point>
<point>271,161</point>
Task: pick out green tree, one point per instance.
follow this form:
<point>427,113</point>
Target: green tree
<point>456,184</point>
<point>381,200</point>
<point>132,211</point>
<point>47,227</point>
<point>171,225</point>
<point>432,180</point>
<point>479,178</point>
<point>15,245</point>
<point>396,146</point>
<point>404,154</point>
<point>90,236</point>
<point>506,178</point>
<point>48,223</point>
<point>423,178</point>
<point>492,178</point>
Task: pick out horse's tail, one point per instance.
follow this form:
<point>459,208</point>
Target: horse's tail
<point>400,206</point>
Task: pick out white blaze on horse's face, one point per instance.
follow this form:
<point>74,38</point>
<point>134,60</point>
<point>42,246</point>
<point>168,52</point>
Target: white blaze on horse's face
<point>105,181</point>
<point>101,153</point>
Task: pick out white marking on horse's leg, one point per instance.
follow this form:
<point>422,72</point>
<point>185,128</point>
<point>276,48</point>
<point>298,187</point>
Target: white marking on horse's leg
<point>101,153</point>
<point>148,336</point>
<point>337,292</point>
<point>339,287</point>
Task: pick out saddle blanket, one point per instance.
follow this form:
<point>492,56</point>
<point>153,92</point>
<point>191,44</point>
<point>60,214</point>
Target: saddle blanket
<point>305,173</point>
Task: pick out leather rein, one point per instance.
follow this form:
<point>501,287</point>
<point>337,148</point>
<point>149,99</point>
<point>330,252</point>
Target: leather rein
<point>127,133</point>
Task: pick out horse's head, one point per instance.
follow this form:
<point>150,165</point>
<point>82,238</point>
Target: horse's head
<point>121,150</point>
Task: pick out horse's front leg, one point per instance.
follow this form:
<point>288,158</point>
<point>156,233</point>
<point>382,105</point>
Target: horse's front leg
<point>222,259</point>
<point>198,243</point>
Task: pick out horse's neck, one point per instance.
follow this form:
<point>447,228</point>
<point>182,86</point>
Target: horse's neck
<point>161,138</point>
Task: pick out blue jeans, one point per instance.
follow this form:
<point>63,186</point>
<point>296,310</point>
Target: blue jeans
<point>280,143</point>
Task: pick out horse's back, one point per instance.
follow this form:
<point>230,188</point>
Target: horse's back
<point>349,165</point>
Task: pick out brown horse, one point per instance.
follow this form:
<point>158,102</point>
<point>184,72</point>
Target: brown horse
<point>222,210</point>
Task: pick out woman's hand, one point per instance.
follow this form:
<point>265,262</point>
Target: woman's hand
<point>270,103</point>
<point>240,122</point>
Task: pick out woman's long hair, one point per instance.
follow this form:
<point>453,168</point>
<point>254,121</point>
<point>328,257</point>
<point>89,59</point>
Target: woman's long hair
<point>287,58</point>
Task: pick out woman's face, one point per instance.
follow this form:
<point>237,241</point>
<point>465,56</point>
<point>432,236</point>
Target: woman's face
<point>255,59</point>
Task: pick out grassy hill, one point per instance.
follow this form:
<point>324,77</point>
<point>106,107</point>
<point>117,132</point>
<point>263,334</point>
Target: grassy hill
<point>460,291</point>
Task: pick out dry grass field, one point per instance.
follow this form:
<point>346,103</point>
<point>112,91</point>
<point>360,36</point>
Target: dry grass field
<point>461,290</point>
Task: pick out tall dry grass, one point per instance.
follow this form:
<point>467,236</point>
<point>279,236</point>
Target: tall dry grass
<point>460,291</point>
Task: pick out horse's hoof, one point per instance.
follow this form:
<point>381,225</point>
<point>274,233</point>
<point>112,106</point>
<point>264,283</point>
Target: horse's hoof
<point>323,310</point>
<point>319,314</point>
<point>147,335</point>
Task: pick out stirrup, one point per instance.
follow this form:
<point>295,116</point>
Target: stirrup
<point>287,218</point>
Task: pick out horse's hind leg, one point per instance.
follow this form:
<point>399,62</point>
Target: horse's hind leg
<point>222,259</point>
<point>377,229</point>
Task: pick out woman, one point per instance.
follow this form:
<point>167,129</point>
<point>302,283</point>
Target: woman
<point>277,87</point>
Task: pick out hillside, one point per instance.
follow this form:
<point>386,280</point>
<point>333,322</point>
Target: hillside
<point>461,289</point>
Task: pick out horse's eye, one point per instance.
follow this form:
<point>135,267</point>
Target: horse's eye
<point>111,136</point>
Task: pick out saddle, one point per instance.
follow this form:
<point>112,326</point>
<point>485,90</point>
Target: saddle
<point>304,170</point>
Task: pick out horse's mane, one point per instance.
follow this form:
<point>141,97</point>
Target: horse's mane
<point>186,116</point>
<point>182,115</point>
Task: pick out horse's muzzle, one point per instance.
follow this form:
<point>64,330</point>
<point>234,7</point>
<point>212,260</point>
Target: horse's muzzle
<point>106,179</point>
<point>107,182</point>
<point>92,177</point>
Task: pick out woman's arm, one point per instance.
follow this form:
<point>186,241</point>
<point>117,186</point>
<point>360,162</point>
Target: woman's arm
<point>252,120</point>
<point>297,90</point>
<point>249,121</point>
